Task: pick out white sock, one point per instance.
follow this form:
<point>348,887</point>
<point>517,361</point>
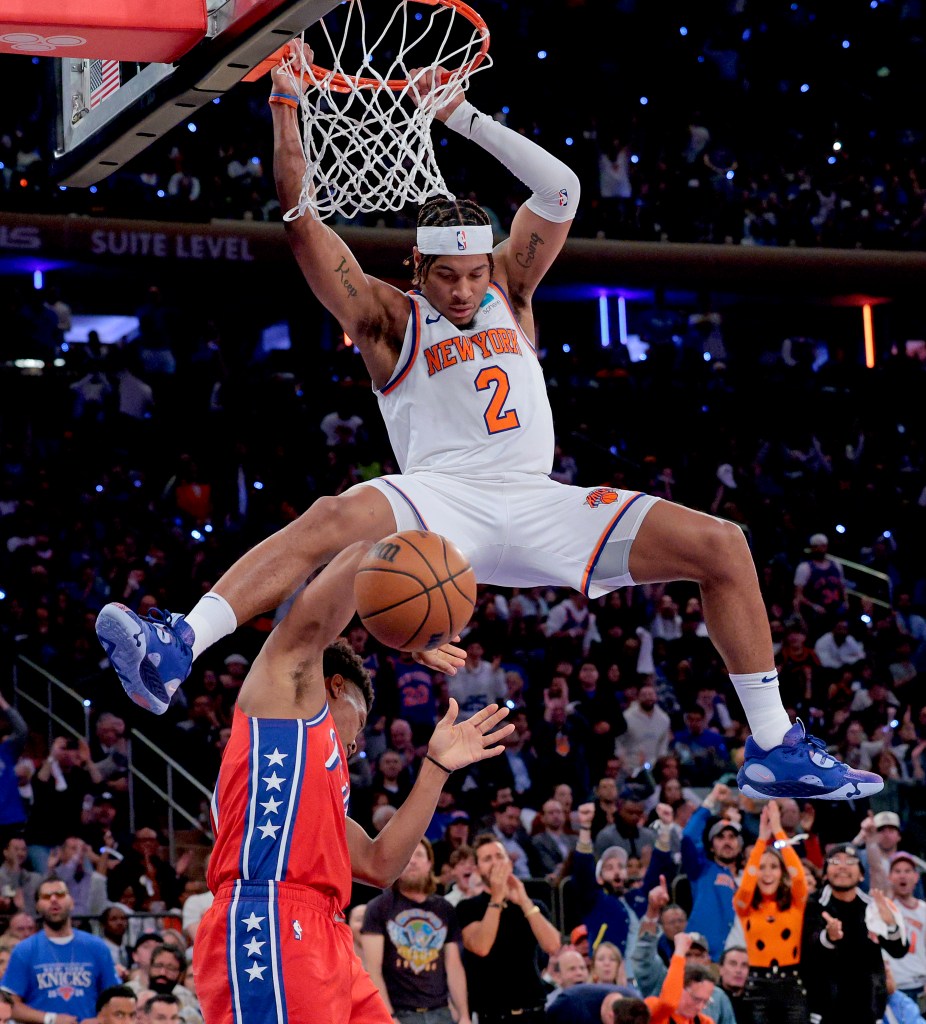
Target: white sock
<point>211,619</point>
<point>761,700</point>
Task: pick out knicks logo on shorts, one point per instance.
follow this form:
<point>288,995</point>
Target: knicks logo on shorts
<point>601,496</point>
<point>461,241</point>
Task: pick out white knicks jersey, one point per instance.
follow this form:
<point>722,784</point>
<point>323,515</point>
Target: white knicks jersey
<point>468,400</point>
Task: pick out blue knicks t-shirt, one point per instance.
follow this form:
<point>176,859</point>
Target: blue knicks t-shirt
<point>60,977</point>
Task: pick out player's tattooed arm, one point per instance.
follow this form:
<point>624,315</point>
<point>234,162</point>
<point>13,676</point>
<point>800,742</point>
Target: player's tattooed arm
<point>343,272</point>
<point>525,257</point>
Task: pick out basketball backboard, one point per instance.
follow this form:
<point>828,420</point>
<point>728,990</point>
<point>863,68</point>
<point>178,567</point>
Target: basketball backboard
<point>108,111</point>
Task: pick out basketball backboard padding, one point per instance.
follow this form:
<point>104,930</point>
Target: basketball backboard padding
<point>161,96</point>
<point>124,30</point>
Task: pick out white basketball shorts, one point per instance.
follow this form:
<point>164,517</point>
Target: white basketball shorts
<point>525,530</point>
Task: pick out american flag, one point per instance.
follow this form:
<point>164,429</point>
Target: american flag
<point>104,80</point>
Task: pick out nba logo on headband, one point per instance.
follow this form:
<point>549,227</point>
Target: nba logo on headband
<point>461,241</point>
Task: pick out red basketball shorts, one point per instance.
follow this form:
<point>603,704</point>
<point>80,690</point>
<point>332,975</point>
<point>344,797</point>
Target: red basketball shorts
<point>275,953</point>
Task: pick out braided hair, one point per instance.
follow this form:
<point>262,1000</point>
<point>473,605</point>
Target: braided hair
<point>441,212</point>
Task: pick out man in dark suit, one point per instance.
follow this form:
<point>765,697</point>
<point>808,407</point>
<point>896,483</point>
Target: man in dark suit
<point>553,844</point>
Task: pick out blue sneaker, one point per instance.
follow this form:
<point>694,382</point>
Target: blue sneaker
<point>801,767</point>
<point>152,656</point>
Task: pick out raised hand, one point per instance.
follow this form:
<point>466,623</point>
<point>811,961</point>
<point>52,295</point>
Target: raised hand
<point>884,908</point>
<point>499,874</point>
<point>295,64</point>
<point>765,826</point>
<point>457,744</point>
<point>682,943</point>
<point>446,659</point>
<point>658,897</point>
<point>585,813</point>
<point>833,927</point>
<point>516,891</point>
<point>774,816</point>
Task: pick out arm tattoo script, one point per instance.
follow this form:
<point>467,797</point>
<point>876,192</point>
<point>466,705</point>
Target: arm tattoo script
<point>341,269</point>
<point>525,259</point>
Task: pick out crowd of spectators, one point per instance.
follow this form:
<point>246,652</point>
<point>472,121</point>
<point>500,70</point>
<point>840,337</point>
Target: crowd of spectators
<point>684,124</point>
<point>614,801</point>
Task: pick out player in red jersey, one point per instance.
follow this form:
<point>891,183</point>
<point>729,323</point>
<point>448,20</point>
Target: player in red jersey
<point>274,947</point>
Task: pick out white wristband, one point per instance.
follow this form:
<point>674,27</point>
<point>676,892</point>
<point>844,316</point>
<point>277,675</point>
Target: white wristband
<point>554,185</point>
<point>50,1018</point>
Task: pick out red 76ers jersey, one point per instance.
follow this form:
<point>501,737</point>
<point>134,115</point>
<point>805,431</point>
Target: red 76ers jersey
<point>279,806</point>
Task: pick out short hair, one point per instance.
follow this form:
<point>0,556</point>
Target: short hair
<point>461,853</point>
<point>52,880</point>
<point>731,949</point>
<point>159,997</point>
<point>630,1011</point>
<point>175,951</point>
<point>113,992</point>
<point>340,659</point>
<point>695,972</point>
<point>483,839</point>
<point>673,906</point>
<point>438,212</point>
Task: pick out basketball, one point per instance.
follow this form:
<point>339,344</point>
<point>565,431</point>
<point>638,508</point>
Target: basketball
<point>415,591</point>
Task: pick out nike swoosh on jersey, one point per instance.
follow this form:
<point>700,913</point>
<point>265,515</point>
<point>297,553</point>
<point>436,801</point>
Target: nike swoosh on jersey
<point>432,319</point>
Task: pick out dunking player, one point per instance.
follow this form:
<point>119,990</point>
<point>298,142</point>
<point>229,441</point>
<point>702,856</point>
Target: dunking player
<point>274,946</point>
<point>462,392</point>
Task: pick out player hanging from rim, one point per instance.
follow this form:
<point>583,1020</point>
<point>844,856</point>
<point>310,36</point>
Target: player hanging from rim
<point>285,850</point>
<point>463,396</point>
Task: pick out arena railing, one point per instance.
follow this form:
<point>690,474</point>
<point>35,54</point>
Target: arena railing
<point>46,702</point>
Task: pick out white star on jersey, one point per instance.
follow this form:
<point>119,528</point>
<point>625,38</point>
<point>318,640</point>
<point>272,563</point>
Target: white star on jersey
<point>256,971</point>
<point>275,758</point>
<point>254,947</point>
<point>269,831</point>
<point>253,922</point>
<point>274,782</point>
<point>271,806</point>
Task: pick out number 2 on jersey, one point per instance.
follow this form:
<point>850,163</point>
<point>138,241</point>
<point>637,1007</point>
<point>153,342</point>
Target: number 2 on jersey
<point>497,417</point>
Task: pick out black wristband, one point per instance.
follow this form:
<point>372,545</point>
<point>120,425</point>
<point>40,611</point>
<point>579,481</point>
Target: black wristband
<point>449,771</point>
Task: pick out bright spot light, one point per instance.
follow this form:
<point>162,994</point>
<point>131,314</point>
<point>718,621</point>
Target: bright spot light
<point>86,703</point>
<point>217,100</point>
<point>901,429</point>
<point>643,101</point>
<point>831,159</point>
<point>541,54</point>
<point>161,193</point>
<point>837,146</point>
<point>846,44</point>
<point>38,280</point>
<point>805,87</point>
<point>61,188</point>
<point>747,35</point>
<point>98,488</point>
<point>729,175</point>
<point>255,160</point>
<point>196,535</point>
<point>840,528</point>
<point>887,534</point>
<point>258,486</point>
<point>866,619</point>
<point>208,527</point>
<point>509,704</point>
<point>443,142</point>
<point>419,16</point>
<point>65,347</point>
<point>191,127</point>
<point>707,357</point>
<point>94,190</point>
<point>567,347</point>
<point>683,31</point>
<point>613,449</point>
<point>506,110</point>
<point>634,159</point>
<point>569,140</point>
<point>136,483</point>
<point>2,595</point>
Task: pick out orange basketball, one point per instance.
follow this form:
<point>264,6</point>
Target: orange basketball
<point>415,590</point>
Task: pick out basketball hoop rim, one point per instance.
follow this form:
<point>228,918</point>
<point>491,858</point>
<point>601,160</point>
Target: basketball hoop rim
<point>349,83</point>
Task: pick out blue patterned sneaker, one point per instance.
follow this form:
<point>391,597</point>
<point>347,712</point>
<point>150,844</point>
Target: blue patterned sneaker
<point>152,656</point>
<point>800,767</point>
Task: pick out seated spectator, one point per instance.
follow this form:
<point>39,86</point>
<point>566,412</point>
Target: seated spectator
<point>628,832</point>
<point>702,752</point>
<point>734,970</point>
<point>166,972</point>
<point>608,967</point>
<point>160,1009</point>
<point>115,1005</point>
<point>649,729</point>
<point>144,861</point>
<point>838,648</point>
<point>457,832</point>
<point>478,682</point>
<point>464,879</point>
<point>114,928</point>
<point>568,968</point>
<point>109,752</point>
<point>526,861</point>
<point>140,960</point>
<point>18,884</point>
<point>553,843</point>
<point>391,779</point>
<point>20,927</point>
<point>72,864</point>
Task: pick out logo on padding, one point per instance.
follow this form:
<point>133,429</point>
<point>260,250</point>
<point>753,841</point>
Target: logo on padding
<point>30,42</point>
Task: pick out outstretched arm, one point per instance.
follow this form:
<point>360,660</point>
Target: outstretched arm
<point>541,225</point>
<point>286,678</point>
<point>454,745</point>
<point>373,313</point>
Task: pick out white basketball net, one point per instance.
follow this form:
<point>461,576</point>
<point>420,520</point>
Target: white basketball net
<point>368,144</point>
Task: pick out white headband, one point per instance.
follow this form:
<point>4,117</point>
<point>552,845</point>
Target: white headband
<point>455,241</point>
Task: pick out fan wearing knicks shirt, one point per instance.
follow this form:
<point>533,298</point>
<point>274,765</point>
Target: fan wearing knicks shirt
<point>274,946</point>
<point>457,374</point>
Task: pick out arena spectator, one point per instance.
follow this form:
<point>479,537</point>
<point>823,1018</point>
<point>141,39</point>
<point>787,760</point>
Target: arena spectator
<point>553,844</point>
<point>14,731</point>
<point>733,972</point>
<point>115,1005</point>
<point>18,885</point>
<point>909,972</point>
<point>649,729</point>
<point>166,972</point>
<point>79,964</point>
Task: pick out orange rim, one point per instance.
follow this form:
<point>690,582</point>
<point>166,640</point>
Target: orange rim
<point>348,83</point>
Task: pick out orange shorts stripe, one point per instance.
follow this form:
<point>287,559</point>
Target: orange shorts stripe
<point>603,539</point>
